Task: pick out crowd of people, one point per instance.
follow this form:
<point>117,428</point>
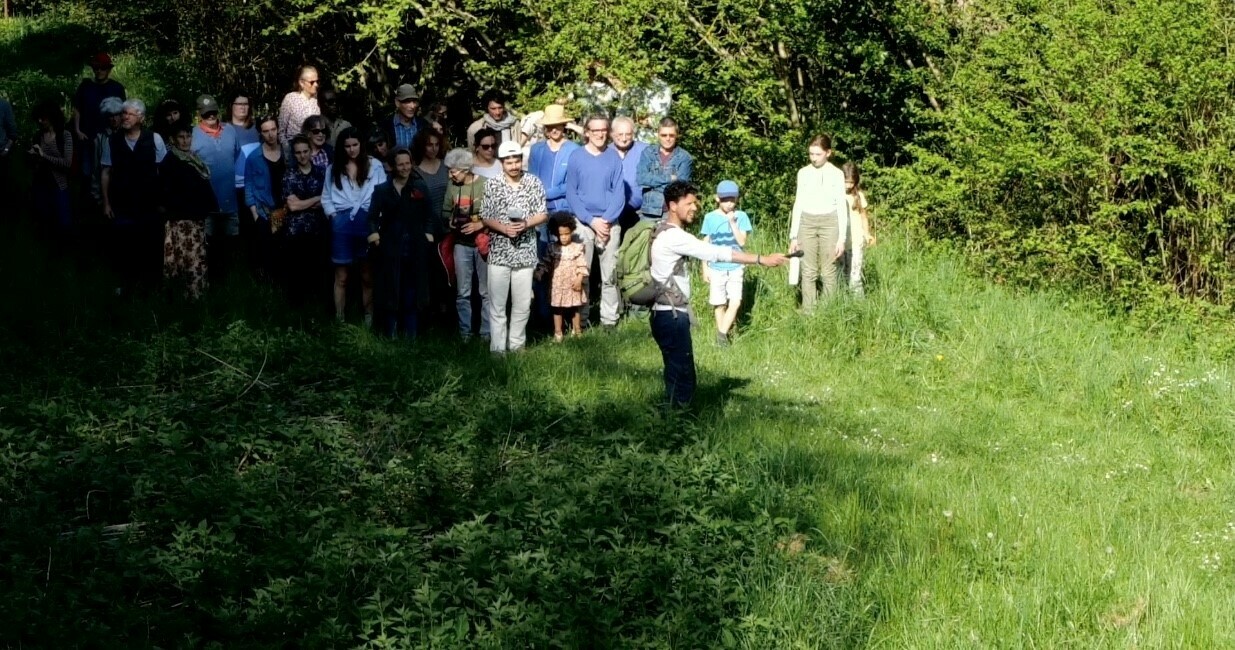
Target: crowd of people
<point>520,222</point>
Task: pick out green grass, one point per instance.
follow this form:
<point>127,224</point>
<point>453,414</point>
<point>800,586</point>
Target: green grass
<point>944,464</point>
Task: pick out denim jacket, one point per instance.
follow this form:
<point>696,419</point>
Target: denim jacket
<point>654,177</point>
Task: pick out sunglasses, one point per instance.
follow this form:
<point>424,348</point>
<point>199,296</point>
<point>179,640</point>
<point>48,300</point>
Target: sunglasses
<point>317,131</point>
<point>486,146</point>
<point>312,82</point>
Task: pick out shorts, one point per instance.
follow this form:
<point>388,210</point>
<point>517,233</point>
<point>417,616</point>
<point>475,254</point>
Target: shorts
<point>726,287</point>
<point>349,238</point>
<point>223,224</point>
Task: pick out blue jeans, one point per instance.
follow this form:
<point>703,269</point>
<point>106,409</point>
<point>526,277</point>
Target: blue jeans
<point>671,329</point>
<point>467,259</point>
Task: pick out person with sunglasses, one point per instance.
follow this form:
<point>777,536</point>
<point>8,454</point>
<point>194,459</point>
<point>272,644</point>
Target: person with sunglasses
<point>403,125</point>
<point>315,130</point>
<point>484,155</point>
<point>217,144</point>
<point>328,100</point>
<point>87,122</point>
<point>300,104</point>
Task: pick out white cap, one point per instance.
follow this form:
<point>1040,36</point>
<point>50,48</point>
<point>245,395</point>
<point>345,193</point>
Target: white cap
<point>509,148</point>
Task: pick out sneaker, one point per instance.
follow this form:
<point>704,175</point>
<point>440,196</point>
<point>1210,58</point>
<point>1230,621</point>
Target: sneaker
<point>722,340</point>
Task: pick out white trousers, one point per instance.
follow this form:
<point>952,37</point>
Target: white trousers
<point>508,329</point>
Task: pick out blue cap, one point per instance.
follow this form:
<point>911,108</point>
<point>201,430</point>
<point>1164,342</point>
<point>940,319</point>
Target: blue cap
<point>726,189</point>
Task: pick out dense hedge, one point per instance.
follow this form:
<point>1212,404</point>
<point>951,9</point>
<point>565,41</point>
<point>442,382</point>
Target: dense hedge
<point>1087,143</point>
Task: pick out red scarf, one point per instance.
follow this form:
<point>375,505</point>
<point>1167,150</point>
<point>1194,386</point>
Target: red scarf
<point>218,131</point>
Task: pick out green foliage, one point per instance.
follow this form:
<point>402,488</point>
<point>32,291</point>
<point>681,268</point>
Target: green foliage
<point>1087,143</point>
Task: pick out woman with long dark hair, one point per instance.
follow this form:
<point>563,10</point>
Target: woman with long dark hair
<point>350,181</point>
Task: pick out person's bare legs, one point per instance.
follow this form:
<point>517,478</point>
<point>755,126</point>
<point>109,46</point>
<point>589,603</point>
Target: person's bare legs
<point>340,291</point>
<point>726,316</point>
<point>366,290</point>
<point>557,327</point>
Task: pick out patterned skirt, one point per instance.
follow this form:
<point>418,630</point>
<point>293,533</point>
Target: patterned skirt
<point>184,255</point>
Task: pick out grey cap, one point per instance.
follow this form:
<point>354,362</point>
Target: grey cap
<point>407,91</point>
<point>207,104</point>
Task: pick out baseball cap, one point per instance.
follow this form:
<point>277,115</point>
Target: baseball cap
<point>407,91</point>
<point>727,189</point>
<point>509,148</point>
<point>207,104</point>
<point>101,60</point>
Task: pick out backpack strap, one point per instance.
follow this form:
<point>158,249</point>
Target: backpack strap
<point>668,290</point>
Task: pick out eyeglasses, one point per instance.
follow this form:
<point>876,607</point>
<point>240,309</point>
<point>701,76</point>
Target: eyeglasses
<point>485,146</point>
<point>408,100</point>
<point>317,131</point>
<point>240,103</point>
<point>311,82</point>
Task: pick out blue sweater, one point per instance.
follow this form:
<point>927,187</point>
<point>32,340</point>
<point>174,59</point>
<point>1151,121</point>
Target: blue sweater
<point>594,185</point>
<point>258,185</point>
<point>630,175</point>
<point>654,177</point>
<point>550,168</point>
<point>219,154</point>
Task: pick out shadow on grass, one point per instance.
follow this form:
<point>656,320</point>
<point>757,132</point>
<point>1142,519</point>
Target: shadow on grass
<point>219,473</point>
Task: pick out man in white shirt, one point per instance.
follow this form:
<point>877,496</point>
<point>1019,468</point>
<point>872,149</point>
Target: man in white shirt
<point>671,312</point>
<point>820,221</point>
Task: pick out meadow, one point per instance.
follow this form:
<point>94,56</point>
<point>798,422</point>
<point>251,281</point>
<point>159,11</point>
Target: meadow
<point>947,463</point>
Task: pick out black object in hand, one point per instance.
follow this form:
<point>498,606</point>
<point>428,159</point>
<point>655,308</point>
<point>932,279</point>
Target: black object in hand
<point>795,254</point>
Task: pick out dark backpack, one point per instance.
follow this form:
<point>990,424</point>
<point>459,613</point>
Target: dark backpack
<point>634,268</point>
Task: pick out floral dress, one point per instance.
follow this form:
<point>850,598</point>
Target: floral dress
<point>567,265</point>
<point>305,186</point>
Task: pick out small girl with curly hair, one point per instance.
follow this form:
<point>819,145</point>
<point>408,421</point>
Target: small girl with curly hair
<point>568,272</point>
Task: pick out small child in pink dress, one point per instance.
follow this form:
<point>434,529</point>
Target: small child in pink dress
<point>568,270</point>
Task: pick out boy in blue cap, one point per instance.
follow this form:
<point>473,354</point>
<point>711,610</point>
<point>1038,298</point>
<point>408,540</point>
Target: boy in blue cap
<point>725,226</point>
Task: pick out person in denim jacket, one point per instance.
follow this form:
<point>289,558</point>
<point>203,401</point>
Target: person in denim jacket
<point>659,166</point>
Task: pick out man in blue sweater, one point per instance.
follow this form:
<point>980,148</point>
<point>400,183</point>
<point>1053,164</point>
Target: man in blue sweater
<point>596,194</point>
<point>630,151</point>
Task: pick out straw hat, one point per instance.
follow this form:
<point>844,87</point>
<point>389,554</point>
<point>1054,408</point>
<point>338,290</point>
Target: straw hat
<point>555,114</point>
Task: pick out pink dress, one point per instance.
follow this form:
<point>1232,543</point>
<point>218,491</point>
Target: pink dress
<point>566,263</point>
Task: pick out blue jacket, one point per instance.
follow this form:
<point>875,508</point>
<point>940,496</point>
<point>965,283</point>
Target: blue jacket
<point>8,124</point>
<point>258,186</point>
<point>653,177</point>
<point>551,170</point>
